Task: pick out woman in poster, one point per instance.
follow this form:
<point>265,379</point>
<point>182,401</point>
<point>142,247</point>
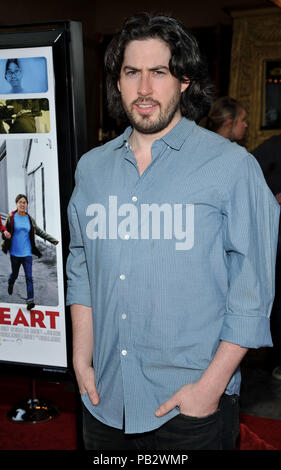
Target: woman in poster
<point>13,75</point>
<point>21,245</point>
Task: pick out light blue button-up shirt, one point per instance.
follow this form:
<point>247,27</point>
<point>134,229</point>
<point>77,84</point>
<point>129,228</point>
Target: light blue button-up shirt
<point>171,262</point>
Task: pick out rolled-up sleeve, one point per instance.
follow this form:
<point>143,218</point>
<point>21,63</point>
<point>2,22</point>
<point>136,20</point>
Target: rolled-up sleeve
<point>78,285</point>
<point>251,217</point>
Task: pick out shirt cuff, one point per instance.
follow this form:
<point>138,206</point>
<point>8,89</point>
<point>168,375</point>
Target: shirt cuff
<point>247,331</point>
<point>78,294</point>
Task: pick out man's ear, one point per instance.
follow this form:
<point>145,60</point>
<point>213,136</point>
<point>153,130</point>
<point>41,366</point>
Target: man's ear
<point>185,84</point>
<point>118,85</point>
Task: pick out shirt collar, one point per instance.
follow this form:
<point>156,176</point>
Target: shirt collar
<point>123,139</point>
<point>174,138</point>
<point>179,133</point>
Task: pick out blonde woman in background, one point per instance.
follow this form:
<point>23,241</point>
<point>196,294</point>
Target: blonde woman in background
<point>227,117</point>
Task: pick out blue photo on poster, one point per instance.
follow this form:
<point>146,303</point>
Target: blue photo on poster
<point>23,75</point>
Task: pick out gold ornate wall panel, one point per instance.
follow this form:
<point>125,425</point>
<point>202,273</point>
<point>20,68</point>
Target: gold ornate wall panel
<point>256,41</point>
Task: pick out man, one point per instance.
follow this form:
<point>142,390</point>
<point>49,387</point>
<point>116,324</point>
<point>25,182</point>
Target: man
<point>23,117</point>
<point>268,154</point>
<point>171,264</point>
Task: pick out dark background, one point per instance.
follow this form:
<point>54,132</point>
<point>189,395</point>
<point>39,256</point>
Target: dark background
<point>210,21</point>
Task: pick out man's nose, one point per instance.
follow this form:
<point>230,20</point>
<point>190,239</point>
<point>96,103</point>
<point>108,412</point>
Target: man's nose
<point>145,87</point>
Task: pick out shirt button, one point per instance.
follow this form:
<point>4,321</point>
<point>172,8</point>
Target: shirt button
<point>134,198</point>
<point>122,277</point>
<point>124,352</point>
<point>124,316</point>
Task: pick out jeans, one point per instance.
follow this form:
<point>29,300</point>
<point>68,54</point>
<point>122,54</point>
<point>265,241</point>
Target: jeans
<point>26,262</point>
<point>219,431</point>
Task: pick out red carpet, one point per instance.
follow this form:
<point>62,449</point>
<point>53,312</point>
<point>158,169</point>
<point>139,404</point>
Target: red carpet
<point>259,433</point>
<point>61,433</point>
<point>57,434</point>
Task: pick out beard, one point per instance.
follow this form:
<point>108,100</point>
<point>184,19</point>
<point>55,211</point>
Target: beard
<point>146,124</point>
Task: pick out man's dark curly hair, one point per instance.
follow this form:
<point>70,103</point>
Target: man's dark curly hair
<point>186,61</point>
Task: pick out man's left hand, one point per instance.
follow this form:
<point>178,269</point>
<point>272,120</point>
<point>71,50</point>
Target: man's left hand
<point>192,400</point>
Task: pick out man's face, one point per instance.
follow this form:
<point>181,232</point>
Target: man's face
<point>239,127</point>
<point>150,93</point>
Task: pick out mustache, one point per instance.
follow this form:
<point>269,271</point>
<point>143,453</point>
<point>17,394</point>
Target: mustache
<point>145,101</point>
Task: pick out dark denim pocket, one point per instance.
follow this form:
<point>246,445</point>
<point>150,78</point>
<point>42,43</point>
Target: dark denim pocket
<point>217,431</point>
<point>202,418</point>
<point>190,433</point>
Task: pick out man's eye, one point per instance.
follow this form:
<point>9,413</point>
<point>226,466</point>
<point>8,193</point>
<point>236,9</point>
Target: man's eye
<point>159,73</point>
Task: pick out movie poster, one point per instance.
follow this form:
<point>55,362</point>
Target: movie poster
<point>32,308</point>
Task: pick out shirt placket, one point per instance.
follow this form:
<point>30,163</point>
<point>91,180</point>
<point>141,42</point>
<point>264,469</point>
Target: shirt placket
<point>124,286</point>
<point>125,307</point>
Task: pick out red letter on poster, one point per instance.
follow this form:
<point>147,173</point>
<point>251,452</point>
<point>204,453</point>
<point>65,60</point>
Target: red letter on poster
<point>36,316</point>
<point>53,316</point>
<point>5,318</point>
<point>20,318</point>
